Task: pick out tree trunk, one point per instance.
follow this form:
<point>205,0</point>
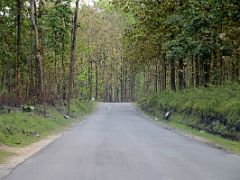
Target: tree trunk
<point>156,78</point>
<point>125,85</point>
<point>197,71</point>
<point>72,56</point>
<point>192,70</point>
<point>206,67</point>
<point>63,74</point>
<point>31,88</point>
<point>132,86</point>
<point>236,71</point>
<point>96,76</point>
<point>121,82</point>
<point>19,14</point>
<point>39,50</point>
<point>173,81</point>
<point>63,60</point>
<point>164,81</point>
<point>90,80</point>
<point>180,74</point>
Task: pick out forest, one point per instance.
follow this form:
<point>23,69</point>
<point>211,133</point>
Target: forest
<point>54,51</point>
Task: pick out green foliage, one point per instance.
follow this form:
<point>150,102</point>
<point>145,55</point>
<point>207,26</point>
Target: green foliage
<point>57,25</point>
<point>176,122</point>
<point>216,108</point>
<point>21,128</point>
<point>196,32</point>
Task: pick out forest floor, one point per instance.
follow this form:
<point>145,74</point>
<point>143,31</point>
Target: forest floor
<point>24,133</point>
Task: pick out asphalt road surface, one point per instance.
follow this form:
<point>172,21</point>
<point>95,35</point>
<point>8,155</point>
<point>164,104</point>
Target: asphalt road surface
<point>117,143</point>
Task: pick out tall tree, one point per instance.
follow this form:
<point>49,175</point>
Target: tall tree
<point>72,55</point>
<point>19,15</point>
<point>39,48</point>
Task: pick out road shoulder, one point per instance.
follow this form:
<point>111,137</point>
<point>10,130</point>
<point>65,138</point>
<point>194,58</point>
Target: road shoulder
<point>23,153</point>
<point>200,136</point>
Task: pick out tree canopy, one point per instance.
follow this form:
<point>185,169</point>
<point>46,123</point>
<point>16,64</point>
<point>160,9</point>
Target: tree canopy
<point>124,48</point>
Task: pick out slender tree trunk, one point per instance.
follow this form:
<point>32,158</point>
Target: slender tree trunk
<point>3,74</point>
<point>4,66</point>
<point>90,80</point>
<point>180,74</point>
<point>156,77</point>
<point>236,71</point>
<point>148,81</point>
<point>206,67</point>
<point>192,70</point>
<point>125,85</point>
<point>173,81</point>
<point>221,43</point>
<point>197,72</point>
<point>41,63</point>
<point>63,74</point>
<point>8,82</point>
<point>19,27</point>
<point>144,79</point>
<point>55,76</point>
<point>72,56</point>
<point>39,50</point>
<point>221,70</point>
<point>96,77</point>
<point>164,76</point>
<point>30,66</point>
<point>121,82</point>
<point>63,62</point>
<point>132,86</point>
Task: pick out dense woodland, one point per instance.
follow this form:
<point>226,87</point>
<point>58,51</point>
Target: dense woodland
<point>55,50</point>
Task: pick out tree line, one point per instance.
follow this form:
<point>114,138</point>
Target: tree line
<point>54,51</point>
<point>118,50</point>
<point>35,39</point>
<point>179,44</point>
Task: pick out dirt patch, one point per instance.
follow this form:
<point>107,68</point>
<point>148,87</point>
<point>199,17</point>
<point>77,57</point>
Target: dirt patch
<point>21,154</point>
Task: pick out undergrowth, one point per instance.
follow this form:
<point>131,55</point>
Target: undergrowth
<point>22,128</point>
<point>215,109</point>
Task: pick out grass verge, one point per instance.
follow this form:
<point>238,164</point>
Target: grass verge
<point>215,140</point>
<point>19,128</point>
<point>212,113</point>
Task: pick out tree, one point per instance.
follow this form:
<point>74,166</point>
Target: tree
<point>39,48</point>
<point>72,55</point>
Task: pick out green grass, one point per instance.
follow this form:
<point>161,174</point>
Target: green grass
<point>223,100</point>
<point>175,123</point>
<point>215,109</point>
<point>233,146</point>
<point>21,128</point>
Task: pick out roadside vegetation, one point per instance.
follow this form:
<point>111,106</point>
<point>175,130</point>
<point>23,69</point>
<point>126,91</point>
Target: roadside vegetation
<point>19,128</point>
<point>214,110</point>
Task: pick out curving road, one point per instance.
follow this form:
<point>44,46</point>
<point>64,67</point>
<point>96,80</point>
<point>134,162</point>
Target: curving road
<point>118,143</point>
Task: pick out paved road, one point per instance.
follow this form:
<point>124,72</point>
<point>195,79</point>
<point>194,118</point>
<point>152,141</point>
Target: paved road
<point>117,143</point>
